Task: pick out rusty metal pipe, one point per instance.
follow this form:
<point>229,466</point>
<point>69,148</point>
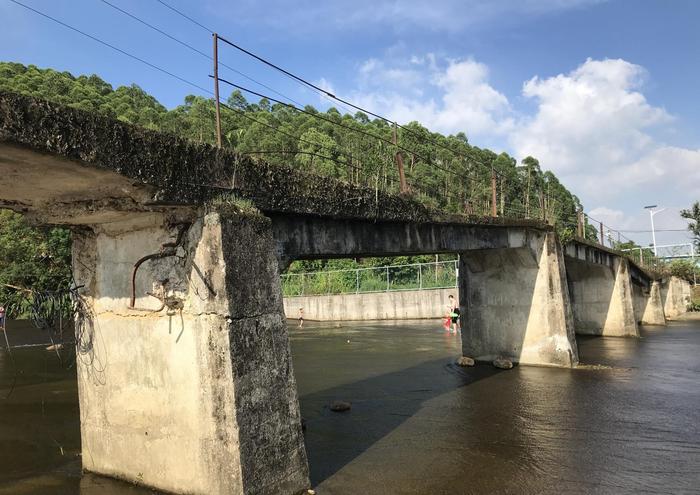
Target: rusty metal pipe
<point>171,251</point>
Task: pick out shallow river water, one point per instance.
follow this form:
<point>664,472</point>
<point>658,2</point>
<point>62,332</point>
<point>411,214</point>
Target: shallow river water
<point>628,421</point>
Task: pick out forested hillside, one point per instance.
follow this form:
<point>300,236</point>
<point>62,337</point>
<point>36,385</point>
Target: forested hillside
<point>443,171</point>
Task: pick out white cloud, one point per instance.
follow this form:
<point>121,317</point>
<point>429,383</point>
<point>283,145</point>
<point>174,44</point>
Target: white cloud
<point>594,114</point>
<point>596,130</point>
<point>462,98</point>
<point>592,126</point>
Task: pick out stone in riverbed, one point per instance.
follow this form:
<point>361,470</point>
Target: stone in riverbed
<point>340,406</point>
<point>465,361</point>
<point>504,364</point>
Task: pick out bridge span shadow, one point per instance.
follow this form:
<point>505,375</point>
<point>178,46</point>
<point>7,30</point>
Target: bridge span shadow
<point>383,392</point>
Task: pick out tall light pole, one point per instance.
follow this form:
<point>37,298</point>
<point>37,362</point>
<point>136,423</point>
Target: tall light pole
<point>651,217</point>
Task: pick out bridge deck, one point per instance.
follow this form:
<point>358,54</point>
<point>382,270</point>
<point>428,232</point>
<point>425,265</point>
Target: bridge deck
<point>66,165</point>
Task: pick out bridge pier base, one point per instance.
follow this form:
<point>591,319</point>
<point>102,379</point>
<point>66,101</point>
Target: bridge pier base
<point>649,308</point>
<point>602,298</point>
<point>198,397</point>
<point>674,294</point>
<point>514,304</point>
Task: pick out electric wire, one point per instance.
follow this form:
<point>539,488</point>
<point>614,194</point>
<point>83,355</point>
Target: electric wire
<point>238,111</point>
<point>201,53</point>
<point>196,50</point>
<point>322,91</point>
<point>68,26</point>
<point>339,124</point>
<point>164,71</point>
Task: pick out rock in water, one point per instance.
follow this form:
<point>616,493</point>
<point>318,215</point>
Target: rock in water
<point>465,361</point>
<point>340,406</point>
<point>504,364</point>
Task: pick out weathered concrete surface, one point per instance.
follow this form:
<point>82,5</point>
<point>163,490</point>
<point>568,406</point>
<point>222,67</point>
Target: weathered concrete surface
<point>675,294</point>
<point>395,305</point>
<point>648,307</point>
<point>601,297</point>
<point>514,304</point>
<point>141,170</point>
<point>314,237</point>
<point>197,400</point>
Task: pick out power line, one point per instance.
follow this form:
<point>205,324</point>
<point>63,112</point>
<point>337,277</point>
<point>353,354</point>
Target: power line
<point>339,124</point>
<point>164,71</point>
<point>322,91</point>
<point>185,16</point>
<point>109,45</point>
<point>194,49</point>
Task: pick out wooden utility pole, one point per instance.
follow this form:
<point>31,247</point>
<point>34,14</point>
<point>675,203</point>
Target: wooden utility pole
<point>494,212</point>
<point>399,165</point>
<point>527,194</point>
<point>579,224</point>
<point>216,88</point>
<point>503,199</point>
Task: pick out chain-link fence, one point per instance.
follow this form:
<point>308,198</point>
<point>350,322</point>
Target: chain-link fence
<point>417,276</point>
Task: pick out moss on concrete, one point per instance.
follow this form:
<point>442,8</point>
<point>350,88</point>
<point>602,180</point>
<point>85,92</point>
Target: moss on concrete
<point>187,173</point>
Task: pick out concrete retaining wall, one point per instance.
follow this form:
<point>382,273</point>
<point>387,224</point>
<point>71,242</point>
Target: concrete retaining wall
<point>398,305</point>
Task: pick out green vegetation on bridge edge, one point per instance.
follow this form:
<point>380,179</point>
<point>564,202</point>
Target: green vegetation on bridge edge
<point>39,258</point>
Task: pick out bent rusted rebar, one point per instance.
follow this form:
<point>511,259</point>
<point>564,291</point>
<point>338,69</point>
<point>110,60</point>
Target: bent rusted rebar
<point>166,250</point>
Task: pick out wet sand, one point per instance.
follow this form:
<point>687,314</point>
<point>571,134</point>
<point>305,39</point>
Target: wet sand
<point>628,422</point>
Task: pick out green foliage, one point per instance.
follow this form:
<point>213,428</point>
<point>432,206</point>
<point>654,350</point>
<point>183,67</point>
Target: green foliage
<point>30,258</point>
<point>370,279</point>
<point>685,269</point>
<point>232,204</point>
<point>693,214</point>
<point>457,181</point>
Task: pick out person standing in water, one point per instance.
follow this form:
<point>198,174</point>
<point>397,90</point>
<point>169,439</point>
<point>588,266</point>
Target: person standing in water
<point>453,308</point>
<point>301,317</point>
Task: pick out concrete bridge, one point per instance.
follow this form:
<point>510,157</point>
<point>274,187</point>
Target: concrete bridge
<point>184,371</point>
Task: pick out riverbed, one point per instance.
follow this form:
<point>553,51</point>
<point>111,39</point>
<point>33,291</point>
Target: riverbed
<point>627,421</point>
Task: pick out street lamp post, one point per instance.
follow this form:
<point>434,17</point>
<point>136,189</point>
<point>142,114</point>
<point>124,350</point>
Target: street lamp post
<point>652,212</point>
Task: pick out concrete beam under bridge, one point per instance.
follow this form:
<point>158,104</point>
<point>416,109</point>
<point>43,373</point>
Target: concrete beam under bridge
<point>314,237</point>
<point>513,296</point>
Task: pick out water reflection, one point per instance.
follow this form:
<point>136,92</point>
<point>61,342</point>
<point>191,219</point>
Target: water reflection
<point>418,423</point>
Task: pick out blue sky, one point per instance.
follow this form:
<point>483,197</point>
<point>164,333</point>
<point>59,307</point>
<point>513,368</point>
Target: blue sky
<point>602,92</point>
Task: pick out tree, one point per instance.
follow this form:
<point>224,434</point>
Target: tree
<point>693,214</point>
<point>30,258</point>
<point>443,172</point>
<point>684,269</point>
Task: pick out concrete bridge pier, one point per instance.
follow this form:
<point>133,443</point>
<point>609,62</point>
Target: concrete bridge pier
<point>675,293</point>
<point>648,306</point>
<point>198,397</point>
<point>602,299</point>
<point>515,304</point>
